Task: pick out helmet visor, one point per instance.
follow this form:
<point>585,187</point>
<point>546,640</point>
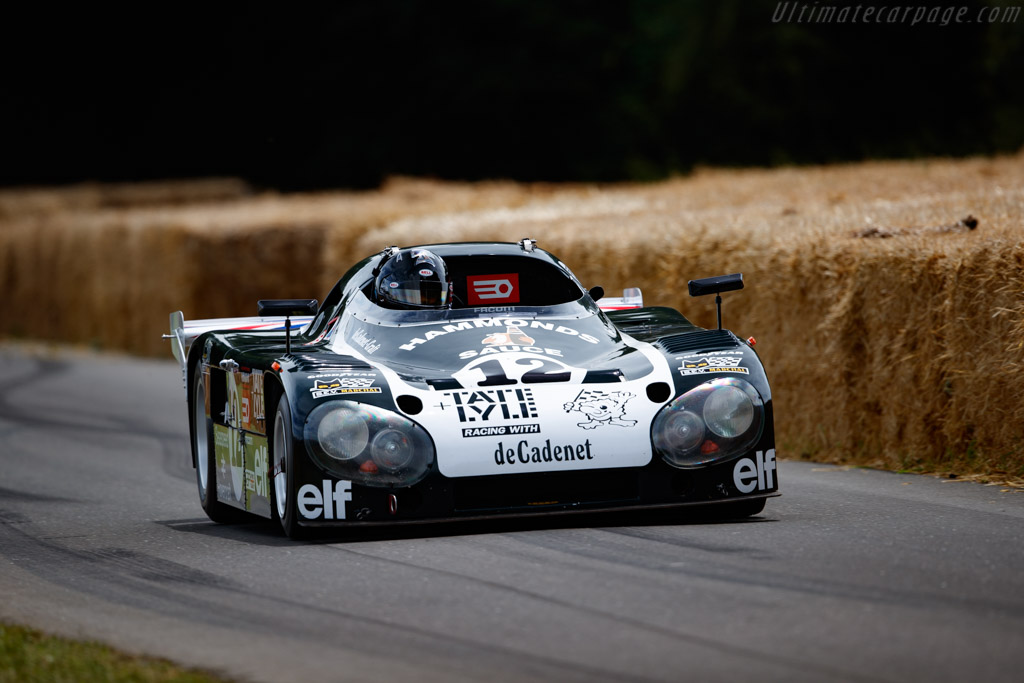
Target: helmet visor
<point>419,292</point>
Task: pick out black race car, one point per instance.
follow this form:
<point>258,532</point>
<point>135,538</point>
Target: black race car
<point>456,381</point>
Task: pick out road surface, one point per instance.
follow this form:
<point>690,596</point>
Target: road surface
<point>852,575</point>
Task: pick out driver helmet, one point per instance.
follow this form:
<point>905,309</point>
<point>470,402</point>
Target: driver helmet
<point>413,278</point>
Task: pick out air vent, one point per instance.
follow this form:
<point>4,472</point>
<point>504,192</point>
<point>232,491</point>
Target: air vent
<point>659,392</point>
<point>706,340</point>
<point>410,405</point>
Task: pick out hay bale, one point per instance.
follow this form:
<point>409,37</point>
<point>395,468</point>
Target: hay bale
<point>903,352</point>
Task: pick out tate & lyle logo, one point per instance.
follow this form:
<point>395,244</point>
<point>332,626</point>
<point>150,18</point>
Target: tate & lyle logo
<point>492,404</point>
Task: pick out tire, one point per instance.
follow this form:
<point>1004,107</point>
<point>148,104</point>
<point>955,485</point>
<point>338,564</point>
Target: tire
<point>282,458</point>
<point>205,459</point>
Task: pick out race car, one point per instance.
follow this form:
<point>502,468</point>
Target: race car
<point>472,380</point>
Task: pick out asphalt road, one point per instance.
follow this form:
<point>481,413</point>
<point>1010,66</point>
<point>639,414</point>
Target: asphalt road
<point>851,575</point>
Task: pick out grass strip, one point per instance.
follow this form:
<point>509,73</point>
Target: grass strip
<point>28,655</point>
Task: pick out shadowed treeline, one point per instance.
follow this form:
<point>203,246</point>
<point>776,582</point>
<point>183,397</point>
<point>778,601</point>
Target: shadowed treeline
<point>348,94</point>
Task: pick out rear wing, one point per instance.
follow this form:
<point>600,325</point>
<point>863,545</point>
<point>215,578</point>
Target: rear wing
<point>184,332</point>
<point>631,298</point>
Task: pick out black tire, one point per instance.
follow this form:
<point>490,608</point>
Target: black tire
<point>205,458</point>
<point>282,459</point>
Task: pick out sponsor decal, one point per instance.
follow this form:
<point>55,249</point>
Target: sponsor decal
<point>335,382</point>
<point>758,473</point>
<point>229,452</point>
<point>495,309</point>
<point>240,444</point>
<point>245,406</point>
<point>466,355</point>
<point>253,412</point>
<point>256,478</point>
<point>341,373</point>
<point>482,323</point>
<point>426,272</point>
<point>601,407</point>
<point>698,365</point>
<point>232,406</point>
<point>491,404</point>
<point>511,335</point>
<point>696,353</point>
<point>343,385</point>
<point>326,501</point>
<point>502,430</point>
<point>206,389</point>
<point>369,345</point>
<point>257,483</point>
<point>513,367</point>
<point>493,289</point>
<point>524,453</point>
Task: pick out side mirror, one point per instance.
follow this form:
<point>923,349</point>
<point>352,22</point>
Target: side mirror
<point>287,307</point>
<point>715,285</point>
<point>596,293</point>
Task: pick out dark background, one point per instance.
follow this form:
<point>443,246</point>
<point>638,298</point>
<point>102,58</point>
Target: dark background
<point>530,90</point>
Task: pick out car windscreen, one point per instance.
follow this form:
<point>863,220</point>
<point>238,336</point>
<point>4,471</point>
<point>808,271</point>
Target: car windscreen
<point>359,306</point>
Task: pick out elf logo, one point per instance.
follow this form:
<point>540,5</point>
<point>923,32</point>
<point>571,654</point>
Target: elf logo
<point>758,474</point>
<point>492,289</point>
<point>330,504</point>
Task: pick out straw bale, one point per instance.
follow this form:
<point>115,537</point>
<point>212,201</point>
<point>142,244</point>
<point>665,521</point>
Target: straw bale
<point>16,202</point>
<point>905,352</point>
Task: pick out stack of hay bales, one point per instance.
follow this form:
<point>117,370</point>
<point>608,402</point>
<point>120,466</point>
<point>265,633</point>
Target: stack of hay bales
<point>893,332</point>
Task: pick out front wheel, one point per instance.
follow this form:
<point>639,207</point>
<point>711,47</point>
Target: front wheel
<point>205,459</point>
<point>283,463</point>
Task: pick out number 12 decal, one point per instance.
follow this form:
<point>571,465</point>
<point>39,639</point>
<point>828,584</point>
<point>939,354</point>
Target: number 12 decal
<point>514,367</point>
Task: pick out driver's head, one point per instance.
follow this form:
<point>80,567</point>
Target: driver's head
<point>413,278</point>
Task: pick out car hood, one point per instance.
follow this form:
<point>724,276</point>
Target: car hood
<point>504,395</point>
<point>495,351</point>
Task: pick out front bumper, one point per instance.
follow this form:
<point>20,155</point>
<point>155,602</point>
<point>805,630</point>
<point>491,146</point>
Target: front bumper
<point>653,486</point>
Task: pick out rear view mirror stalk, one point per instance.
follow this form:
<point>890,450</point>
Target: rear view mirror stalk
<point>716,285</point>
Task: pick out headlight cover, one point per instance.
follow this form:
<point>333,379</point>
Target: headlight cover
<point>710,423</point>
<point>367,444</point>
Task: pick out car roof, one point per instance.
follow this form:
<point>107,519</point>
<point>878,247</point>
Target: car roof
<point>509,249</point>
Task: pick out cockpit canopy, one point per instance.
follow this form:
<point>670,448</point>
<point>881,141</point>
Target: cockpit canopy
<point>502,280</point>
<point>486,277</point>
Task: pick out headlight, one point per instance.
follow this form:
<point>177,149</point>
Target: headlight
<point>367,444</point>
<point>343,433</point>
<point>682,431</point>
<point>728,412</point>
<point>710,423</point>
<point>392,450</point>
